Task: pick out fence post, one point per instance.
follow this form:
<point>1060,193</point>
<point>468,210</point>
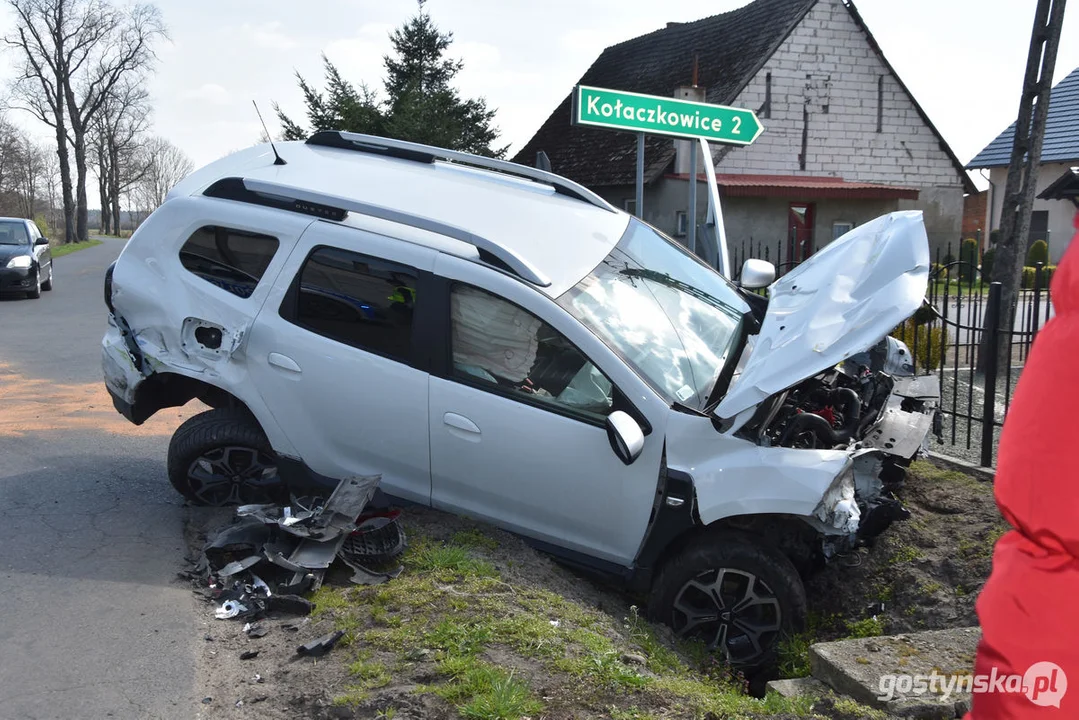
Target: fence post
<point>992,326</point>
<point>1037,302</point>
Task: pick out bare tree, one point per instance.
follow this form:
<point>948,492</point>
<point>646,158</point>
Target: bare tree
<point>122,48</point>
<point>73,54</point>
<point>166,166</point>
<point>44,38</point>
<point>28,176</point>
<point>116,138</point>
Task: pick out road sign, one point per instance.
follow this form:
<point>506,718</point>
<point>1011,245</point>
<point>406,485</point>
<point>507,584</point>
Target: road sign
<point>633,112</point>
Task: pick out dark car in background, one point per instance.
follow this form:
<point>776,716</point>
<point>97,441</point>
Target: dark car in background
<point>25,258</point>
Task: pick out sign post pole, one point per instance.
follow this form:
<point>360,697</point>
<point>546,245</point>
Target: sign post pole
<point>639,202</point>
<point>691,220</point>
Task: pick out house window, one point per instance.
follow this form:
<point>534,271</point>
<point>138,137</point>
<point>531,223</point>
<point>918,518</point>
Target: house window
<point>682,223</point>
<point>231,259</point>
<point>630,205</point>
<point>880,103</point>
<point>358,300</point>
<point>839,229</point>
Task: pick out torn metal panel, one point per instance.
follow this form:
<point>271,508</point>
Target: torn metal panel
<point>921,387</point>
<point>899,433</point>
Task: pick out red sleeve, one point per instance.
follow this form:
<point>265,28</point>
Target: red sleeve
<point>1029,608</point>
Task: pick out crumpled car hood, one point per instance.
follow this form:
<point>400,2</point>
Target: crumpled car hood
<point>841,301</point>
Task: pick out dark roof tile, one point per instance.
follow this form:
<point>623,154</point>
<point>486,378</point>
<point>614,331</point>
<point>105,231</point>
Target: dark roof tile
<point>1061,142</point>
<point>730,47</point>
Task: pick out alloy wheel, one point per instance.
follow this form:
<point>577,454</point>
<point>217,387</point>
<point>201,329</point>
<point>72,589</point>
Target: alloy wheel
<point>233,475</point>
<point>731,611</point>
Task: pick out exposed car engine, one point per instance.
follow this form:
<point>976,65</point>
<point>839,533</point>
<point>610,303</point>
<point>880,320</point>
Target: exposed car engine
<point>841,405</point>
<point>828,410</point>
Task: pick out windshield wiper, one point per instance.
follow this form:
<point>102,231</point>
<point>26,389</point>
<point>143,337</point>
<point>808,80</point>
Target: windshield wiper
<point>723,380</point>
<point>687,409</point>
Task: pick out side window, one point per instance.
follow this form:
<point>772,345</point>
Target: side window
<point>231,259</point>
<point>505,348</point>
<point>358,300</point>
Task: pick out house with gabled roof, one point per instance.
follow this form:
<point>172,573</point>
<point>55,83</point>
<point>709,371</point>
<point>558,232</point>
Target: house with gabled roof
<point>844,139</point>
<point>1049,220</point>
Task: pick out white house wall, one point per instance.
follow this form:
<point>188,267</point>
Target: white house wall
<point>1061,212</point>
<point>842,135</point>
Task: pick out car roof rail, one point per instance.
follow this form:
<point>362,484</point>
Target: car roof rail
<point>417,152</point>
<point>334,207</point>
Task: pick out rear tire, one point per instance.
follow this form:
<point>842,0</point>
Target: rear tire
<point>734,593</point>
<point>222,457</point>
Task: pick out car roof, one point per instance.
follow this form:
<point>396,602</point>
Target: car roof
<point>561,236</point>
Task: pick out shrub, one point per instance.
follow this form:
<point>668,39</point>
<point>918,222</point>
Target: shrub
<point>42,224</point>
<point>968,255</point>
<point>1038,253</point>
<point>930,349</point>
<point>1029,274</point>
<point>987,264</point>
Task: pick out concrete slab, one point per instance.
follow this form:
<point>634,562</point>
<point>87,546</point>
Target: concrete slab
<point>796,687</point>
<point>918,675</point>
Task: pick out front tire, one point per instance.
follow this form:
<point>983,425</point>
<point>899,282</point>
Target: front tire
<point>47,285</point>
<point>36,292</point>
<point>222,457</point>
<point>735,594</point>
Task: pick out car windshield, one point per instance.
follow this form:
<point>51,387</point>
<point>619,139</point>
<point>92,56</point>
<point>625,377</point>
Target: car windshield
<point>13,233</point>
<point>672,318</point>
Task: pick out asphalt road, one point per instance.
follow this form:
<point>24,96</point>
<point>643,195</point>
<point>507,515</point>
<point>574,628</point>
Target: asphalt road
<point>93,623</point>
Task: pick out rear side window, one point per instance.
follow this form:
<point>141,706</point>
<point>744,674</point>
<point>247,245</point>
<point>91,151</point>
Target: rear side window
<point>358,300</point>
<point>233,260</point>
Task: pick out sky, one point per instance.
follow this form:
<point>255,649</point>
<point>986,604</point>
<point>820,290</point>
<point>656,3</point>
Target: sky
<point>962,59</point>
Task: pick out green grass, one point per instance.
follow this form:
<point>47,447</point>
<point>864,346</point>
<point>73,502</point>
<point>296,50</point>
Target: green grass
<point>867,628</point>
<point>479,643</point>
<point>67,249</point>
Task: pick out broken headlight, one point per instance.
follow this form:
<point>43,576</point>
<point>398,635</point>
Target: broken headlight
<point>837,507</point>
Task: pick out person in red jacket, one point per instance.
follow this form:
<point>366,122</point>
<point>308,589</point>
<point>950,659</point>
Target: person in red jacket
<point>1029,608</point>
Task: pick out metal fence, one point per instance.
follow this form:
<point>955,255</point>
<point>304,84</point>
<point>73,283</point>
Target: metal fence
<point>945,337</point>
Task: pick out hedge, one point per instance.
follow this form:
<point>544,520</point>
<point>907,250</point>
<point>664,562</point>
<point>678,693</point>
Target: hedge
<point>930,350</point>
<point>1029,273</point>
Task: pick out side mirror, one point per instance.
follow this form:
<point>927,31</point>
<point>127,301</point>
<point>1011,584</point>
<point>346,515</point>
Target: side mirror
<point>627,439</point>
<point>757,274</point>
<point>41,241</point>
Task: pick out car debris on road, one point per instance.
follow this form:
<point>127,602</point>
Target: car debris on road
<point>295,544</point>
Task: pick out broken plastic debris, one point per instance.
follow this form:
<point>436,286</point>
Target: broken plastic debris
<point>230,609</point>
<point>321,646</point>
<point>255,630</point>
<point>293,604</point>
<point>239,565</point>
<point>556,623</point>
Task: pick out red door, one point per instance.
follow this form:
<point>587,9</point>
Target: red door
<point>800,232</point>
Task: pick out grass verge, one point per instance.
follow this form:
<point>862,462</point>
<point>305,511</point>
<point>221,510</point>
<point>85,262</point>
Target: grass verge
<point>463,632</point>
<point>68,248</point>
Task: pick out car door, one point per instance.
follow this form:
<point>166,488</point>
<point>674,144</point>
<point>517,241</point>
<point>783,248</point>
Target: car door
<point>335,354</point>
<point>517,420</point>
<point>42,252</point>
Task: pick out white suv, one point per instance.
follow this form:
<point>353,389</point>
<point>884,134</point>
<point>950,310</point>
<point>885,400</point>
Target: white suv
<point>500,342</point>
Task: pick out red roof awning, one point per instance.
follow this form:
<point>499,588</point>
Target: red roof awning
<point>806,187</point>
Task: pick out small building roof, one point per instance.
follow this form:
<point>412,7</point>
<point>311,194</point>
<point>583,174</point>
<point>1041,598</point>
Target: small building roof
<point>1061,143</point>
<point>800,186</point>
<point>1065,187</point>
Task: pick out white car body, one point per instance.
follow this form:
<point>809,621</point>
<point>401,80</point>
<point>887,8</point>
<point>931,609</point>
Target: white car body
<point>336,410</point>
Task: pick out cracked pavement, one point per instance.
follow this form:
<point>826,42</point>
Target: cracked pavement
<point>94,624</point>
